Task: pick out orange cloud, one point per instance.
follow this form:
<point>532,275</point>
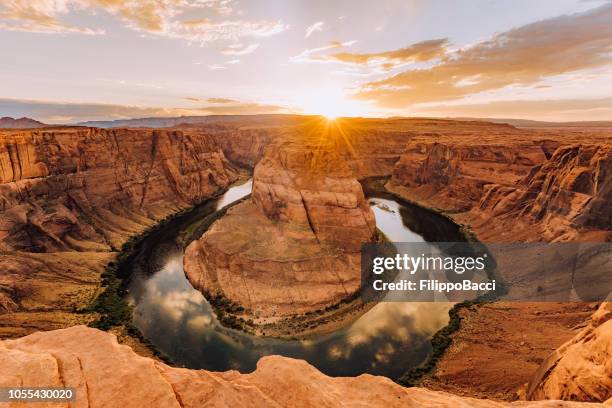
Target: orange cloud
<point>553,110</point>
<point>156,17</point>
<point>419,52</point>
<point>522,56</point>
<point>221,100</point>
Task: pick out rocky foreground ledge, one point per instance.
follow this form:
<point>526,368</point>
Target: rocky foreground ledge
<point>106,374</point>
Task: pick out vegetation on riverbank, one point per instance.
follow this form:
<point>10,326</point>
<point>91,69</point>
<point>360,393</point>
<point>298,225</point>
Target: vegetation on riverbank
<point>442,339</point>
<point>110,307</point>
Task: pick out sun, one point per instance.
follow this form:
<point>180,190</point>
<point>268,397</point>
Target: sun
<point>330,116</point>
<point>329,102</point>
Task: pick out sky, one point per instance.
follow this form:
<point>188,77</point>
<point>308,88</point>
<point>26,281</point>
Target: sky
<point>66,61</point>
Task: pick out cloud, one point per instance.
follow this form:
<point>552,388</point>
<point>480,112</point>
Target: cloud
<point>216,67</point>
<point>207,31</point>
<point>221,100</point>
<point>59,112</point>
<point>38,16</point>
<point>153,17</point>
<point>379,61</point>
<point>239,49</point>
<point>522,56</point>
<point>318,26</point>
<point>243,108</point>
<point>308,55</point>
<point>419,52</point>
<point>545,109</point>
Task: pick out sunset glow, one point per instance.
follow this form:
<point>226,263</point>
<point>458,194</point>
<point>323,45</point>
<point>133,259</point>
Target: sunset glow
<point>545,60</point>
<point>329,102</point>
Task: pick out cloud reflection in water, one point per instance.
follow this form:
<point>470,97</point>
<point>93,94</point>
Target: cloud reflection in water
<point>388,339</point>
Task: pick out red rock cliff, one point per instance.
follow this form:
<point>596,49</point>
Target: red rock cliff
<point>294,247</point>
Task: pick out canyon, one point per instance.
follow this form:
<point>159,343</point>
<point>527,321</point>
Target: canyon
<point>294,246</point>
<point>72,196</point>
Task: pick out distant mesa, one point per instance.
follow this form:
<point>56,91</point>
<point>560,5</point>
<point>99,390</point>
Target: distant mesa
<point>174,121</point>
<point>21,123</point>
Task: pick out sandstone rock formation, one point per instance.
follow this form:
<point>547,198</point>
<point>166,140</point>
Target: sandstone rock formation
<point>294,246</point>
<point>89,189</point>
<point>534,189</point>
<point>509,185</point>
<point>106,374</point>
<point>69,191</point>
<point>581,369</point>
<point>564,197</point>
<point>69,196</point>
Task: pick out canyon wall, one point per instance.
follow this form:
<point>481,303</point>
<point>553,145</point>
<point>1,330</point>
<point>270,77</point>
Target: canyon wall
<point>533,189</point>
<point>515,185</point>
<point>294,246</point>
<point>89,189</point>
<point>69,197</point>
<point>83,190</point>
<point>565,198</point>
<point>101,370</point>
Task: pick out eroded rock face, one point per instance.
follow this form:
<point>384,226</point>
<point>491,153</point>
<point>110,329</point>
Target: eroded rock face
<point>581,369</point>
<point>294,246</point>
<point>531,197</point>
<point>315,188</point>
<point>452,177</point>
<point>510,185</point>
<point>101,371</point>
<point>72,195</point>
<point>564,198</point>
<point>81,188</point>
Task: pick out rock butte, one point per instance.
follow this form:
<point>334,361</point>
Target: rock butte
<point>105,373</point>
<point>70,196</point>
<point>294,246</point>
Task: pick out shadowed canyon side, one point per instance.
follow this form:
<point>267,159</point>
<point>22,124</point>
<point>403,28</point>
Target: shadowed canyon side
<point>293,247</point>
<point>101,370</point>
<point>70,197</point>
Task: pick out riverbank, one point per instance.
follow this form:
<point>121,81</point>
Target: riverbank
<point>109,310</point>
<point>484,355</point>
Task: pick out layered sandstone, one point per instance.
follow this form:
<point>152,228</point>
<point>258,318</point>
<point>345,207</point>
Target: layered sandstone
<point>104,374</point>
<point>565,198</point>
<point>67,190</point>
<point>294,246</point>
<point>89,189</point>
<point>69,197</point>
<point>581,369</point>
<point>511,185</point>
<point>536,187</point>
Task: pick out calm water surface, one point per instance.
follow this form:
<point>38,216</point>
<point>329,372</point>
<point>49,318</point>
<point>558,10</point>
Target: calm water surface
<point>388,340</point>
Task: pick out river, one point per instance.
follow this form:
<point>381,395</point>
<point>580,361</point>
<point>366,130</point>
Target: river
<point>388,339</point>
